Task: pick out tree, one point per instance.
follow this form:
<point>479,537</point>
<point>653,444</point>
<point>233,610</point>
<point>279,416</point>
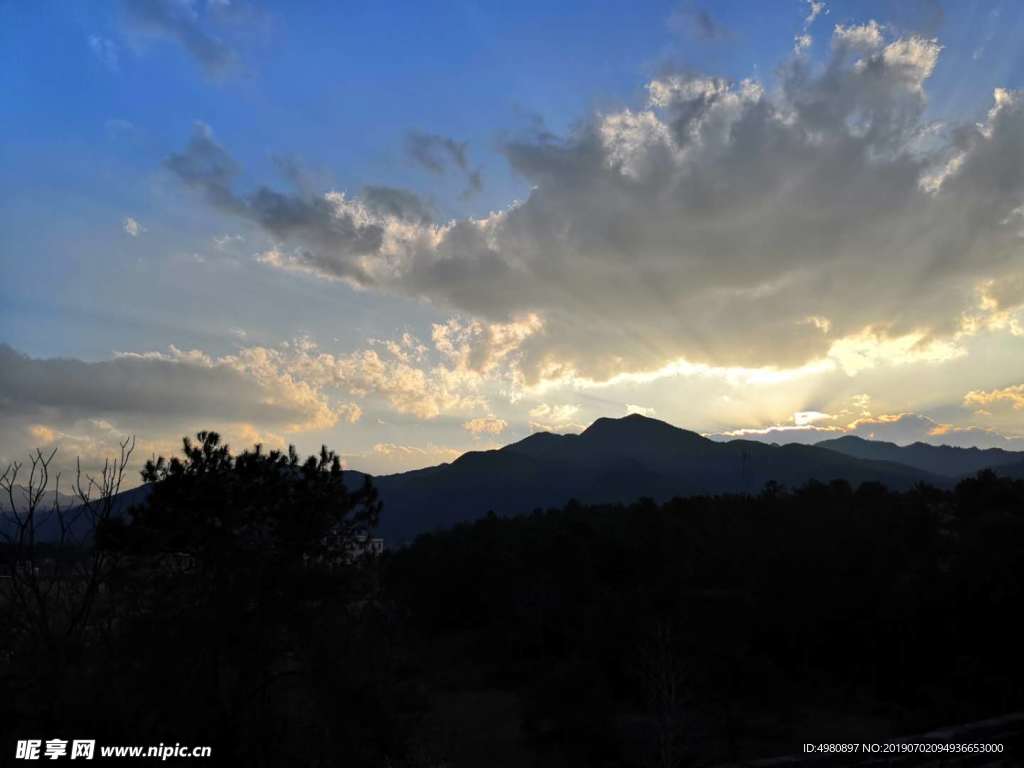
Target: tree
<point>55,576</point>
<point>217,507</point>
<point>240,592</point>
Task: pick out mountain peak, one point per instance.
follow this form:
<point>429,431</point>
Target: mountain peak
<point>635,433</point>
<point>634,424</point>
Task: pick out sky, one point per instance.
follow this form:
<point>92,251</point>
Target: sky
<point>411,230</point>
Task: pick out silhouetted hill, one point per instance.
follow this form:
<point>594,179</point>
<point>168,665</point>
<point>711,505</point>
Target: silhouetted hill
<point>47,523</point>
<point>613,460</point>
<point>20,494</point>
<point>621,460</point>
<point>937,459</point>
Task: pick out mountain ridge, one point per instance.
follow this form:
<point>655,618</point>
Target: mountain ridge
<point>620,460</point>
<point>612,460</point>
<point>946,460</point>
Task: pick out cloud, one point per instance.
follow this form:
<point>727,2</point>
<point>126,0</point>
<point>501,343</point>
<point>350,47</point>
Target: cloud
<point>554,418</point>
<point>436,153</point>
<point>1012,395</point>
<point>485,425</point>
<point>803,418</point>
<point>868,349</point>
<point>339,230</point>
<point>697,23</point>
<point>814,9</point>
<point>397,203</point>
<point>640,409</point>
<point>106,51</point>
<point>451,376</point>
<point>397,457</point>
<point>257,393</point>
<point>87,408</point>
<point>132,227</point>
<point>181,22</point>
<point>439,153</point>
<point>704,227</point>
<point>899,428</point>
<point>223,242</point>
<point>904,428</point>
<point>254,385</point>
<point>803,41</point>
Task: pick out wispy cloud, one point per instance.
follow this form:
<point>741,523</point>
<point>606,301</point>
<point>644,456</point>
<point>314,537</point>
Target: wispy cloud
<point>186,24</point>
<point>107,51</point>
<point>698,23</point>
<point>438,154</point>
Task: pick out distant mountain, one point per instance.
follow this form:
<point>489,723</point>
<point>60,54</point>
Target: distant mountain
<point>620,460</point>
<point>937,459</point>
<point>612,460</point>
<point>47,501</point>
<point>48,524</point>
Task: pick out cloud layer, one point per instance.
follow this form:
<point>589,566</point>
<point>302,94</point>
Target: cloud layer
<point>719,223</point>
<point>88,405</point>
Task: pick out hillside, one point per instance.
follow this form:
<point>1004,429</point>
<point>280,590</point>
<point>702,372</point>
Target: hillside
<point>613,460</point>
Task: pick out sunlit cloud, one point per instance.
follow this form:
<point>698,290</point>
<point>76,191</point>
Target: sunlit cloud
<point>720,228</point>
<point>1012,396</point>
<point>640,410</point>
<point>485,425</point>
<point>132,227</point>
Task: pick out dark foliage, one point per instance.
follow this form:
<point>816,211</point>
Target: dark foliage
<point>741,625</point>
<point>213,505</point>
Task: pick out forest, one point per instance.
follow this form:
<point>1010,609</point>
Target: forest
<point>236,607</point>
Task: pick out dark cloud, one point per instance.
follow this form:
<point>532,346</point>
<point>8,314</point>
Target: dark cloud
<point>182,23</point>
<point>698,23</point>
<point>319,222</point>
<point>925,17</point>
<point>474,183</point>
<point>399,203</point>
<point>207,166</point>
<point>61,390</point>
<point>438,154</point>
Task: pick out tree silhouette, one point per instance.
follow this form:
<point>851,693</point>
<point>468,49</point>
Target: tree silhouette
<point>216,507</point>
<point>240,579</point>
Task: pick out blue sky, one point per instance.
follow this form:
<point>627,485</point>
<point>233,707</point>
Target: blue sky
<point>305,99</point>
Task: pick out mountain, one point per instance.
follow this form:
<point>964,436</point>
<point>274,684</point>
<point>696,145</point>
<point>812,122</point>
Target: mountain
<point>620,460</point>
<point>938,459</point>
<point>51,497</point>
<point>78,524</point>
<point>612,460</point>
